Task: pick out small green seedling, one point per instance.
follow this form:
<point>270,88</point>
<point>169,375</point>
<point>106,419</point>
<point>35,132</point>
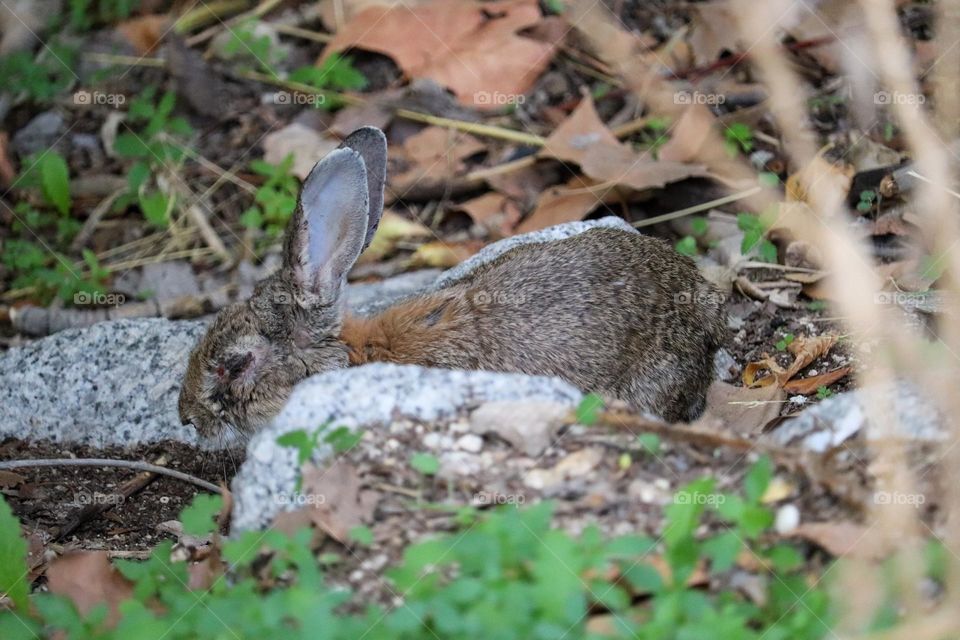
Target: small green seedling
<point>784,342</point>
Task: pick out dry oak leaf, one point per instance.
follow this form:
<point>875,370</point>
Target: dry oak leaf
<point>809,386</point>
<point>393,228</point>
<point>144,33</point>
<point>714,30</point>
<point>88,579</point>
<point>472,48</point>
<point>804,350</point>
<point>443,255</point>
<point>585,140</point>
<point>744,411</point>
<point>568,203</point>
<point>336,502</point>
<point>494,212</point>
<point>436,153</point>
<point>580,132</point>
<point>839,539</point>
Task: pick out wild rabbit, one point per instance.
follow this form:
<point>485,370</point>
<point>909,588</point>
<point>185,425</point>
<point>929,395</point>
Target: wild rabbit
<point>608,310</point>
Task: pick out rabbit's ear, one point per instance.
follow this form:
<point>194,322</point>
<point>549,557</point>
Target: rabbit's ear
<point>328,229</point>
<point>371,144</point>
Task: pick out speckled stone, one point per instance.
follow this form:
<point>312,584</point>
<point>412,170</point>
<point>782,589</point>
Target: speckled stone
<point>368,396</point>
<point>114,383</point>
<point>833,421</point>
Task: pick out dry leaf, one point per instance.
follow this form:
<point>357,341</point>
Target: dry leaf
<point>88,579</point>
<point>620,165</point>
<point>714,30</point>
<point>495,213</point>
<point>741,410</point>
<point>307,145</point>
<point>822,173</point>
<point>443,255</point>
<point>569,203</point>
<point>804,350</point>
<point>338,505</point>
<point>436,153</point>
<point>808,386</point>
<point>9,479</point>
<point>393,229</point>
<point>470,47</point>
<point>579,133</point>
<point>144,33</point>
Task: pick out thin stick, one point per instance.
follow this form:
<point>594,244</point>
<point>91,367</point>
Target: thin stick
<point>106,462</point>
<point>297,32</point>
<point>705,206</point>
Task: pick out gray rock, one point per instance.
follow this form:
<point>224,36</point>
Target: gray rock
<point>368,396</point>
<point>833,421</point>
<point>45,131</point>
<point>114,383</point>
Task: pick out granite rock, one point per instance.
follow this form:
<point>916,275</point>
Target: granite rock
<point>370,396</point>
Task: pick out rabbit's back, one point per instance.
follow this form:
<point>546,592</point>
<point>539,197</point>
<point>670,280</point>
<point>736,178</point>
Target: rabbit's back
<point>608,310</point>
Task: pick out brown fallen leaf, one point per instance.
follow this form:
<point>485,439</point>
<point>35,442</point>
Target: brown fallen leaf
<point>306,145</point>
<point>436,153</point>
<point>144,33</point>
<point>9,479</point>
<point>622,166</point>
<point>88,579</point>
<point>494,212</point>
<point>472,48</point>
<point>443,255</point>
<point>581,131</point>
<point>741,410</point>
<point>840,175</point>
<point>7,173</point>
<point>337,503</point>
<point>804,349</point>
<point>809,386</point>
<point>569,203</point>
<point>393,228</point>
<point>714,30</point>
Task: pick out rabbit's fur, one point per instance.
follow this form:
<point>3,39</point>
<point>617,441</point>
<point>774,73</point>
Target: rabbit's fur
<point>610,311</point>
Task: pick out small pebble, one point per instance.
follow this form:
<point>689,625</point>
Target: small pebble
<point>469,442</point>
<point>787,520</point>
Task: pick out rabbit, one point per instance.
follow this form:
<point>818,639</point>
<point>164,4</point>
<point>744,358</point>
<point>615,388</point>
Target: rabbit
<point>609,310</point>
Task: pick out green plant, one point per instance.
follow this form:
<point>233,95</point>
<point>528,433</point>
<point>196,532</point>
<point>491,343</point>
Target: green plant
<point>588,409</point>
<point>245,44</point>
<point>823,393</point>
<point>868,198</point>
<point>425,463</point>
<point>687,245</point>
<point>336,73</point>
<point>85,14</point>
<point>152,140</point>
<point>754,235</point>
<point>507,574</point>
<point>40,77</point>
<point>275,200</point>
<point>784,342</point>
<point>738,137</point>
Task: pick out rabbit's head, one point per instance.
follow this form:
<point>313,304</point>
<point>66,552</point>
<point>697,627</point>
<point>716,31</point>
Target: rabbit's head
<point>253,354</point>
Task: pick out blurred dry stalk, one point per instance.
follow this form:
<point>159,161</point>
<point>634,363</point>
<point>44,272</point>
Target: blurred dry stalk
<point>893,352</point>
